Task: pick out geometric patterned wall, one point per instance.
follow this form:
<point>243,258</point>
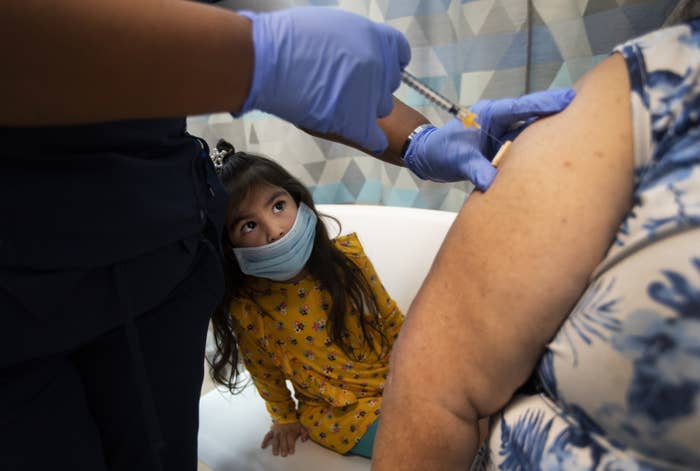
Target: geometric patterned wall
<point>467,50</point>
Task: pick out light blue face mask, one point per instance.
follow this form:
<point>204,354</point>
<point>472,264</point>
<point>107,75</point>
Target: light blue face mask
<point>285,258</point>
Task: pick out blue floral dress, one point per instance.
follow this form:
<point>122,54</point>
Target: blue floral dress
<point>619,385</point>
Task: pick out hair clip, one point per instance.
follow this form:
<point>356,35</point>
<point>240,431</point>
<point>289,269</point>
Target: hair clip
<point>217,157</point>
<point>220,152</point>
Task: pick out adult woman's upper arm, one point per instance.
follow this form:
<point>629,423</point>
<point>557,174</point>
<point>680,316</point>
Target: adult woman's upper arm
<point>512,266</point>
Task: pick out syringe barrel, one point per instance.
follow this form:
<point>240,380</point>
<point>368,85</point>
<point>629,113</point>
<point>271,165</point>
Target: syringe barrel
<point>413,82</point>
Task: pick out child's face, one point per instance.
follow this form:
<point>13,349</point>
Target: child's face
<point>263,217</point>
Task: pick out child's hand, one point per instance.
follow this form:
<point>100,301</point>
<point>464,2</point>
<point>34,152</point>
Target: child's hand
<point>283,438</point>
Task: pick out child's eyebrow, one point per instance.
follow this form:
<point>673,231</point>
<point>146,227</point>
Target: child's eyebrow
<point>269,201</point>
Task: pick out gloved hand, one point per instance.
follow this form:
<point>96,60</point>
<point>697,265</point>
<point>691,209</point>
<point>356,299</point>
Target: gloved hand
<point>453,152</point>
<point>326,70</point>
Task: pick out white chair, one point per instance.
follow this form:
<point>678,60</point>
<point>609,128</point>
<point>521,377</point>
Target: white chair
<point>401,243</point>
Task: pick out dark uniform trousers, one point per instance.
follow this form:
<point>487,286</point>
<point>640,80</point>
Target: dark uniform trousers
<point>102,369</point>
<point>110,266</point>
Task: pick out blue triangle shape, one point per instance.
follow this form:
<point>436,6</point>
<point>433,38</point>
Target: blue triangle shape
<point>430,7</point>
<point>333,193</point>
<point>648,16</point>
<point>516,55</point>
<point>400,197</point>
<point>371,193</point>
<point>401,8</point>
<point>562,79</point>
<point>545,49</point>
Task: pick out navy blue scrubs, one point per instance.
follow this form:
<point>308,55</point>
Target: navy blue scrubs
<point>109,271</point>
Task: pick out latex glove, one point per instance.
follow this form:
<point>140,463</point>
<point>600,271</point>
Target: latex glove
<point>283,438</point>
<point>453,152</point>
<point>327,70</point>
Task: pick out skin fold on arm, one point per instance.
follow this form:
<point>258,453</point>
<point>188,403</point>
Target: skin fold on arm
<point>512,266</point>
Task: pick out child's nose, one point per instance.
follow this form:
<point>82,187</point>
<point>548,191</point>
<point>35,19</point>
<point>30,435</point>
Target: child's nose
<point>274,233</point>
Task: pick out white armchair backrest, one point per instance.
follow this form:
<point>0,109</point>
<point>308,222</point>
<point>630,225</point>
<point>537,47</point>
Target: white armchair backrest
<point>400,242</point>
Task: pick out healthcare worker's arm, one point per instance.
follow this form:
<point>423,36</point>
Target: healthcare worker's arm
<point>74,62</point>
<point>512,266</point>
<point>396,126</point>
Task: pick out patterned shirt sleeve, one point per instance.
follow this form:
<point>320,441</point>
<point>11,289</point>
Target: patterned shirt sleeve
<point>267,377</point>
<point>663,80</point>
<point>391,315</point>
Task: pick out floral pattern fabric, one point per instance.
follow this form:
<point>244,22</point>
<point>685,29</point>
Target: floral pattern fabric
<point>282,336</point>
<point>620,382</point>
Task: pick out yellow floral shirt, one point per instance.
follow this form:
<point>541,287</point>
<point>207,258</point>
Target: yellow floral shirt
<point>281,333</point>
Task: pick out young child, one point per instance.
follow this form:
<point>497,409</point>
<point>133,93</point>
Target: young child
<point>300,307</point>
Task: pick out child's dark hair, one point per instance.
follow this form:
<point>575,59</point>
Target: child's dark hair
<point>240,173</point>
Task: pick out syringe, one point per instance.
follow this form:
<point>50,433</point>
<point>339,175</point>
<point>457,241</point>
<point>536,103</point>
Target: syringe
<point>462,113</point>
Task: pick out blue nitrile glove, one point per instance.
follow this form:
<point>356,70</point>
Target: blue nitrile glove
<point>453,152</point>
<point>327,70</point>
<point>497,116</point>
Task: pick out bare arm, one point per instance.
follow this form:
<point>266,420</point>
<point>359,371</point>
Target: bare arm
<point>512,266</point>
<point>397,126</point>
<point>72,61</point>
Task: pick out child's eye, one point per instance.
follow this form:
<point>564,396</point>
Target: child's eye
<point>248,226</point>
<point>279,206</point>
